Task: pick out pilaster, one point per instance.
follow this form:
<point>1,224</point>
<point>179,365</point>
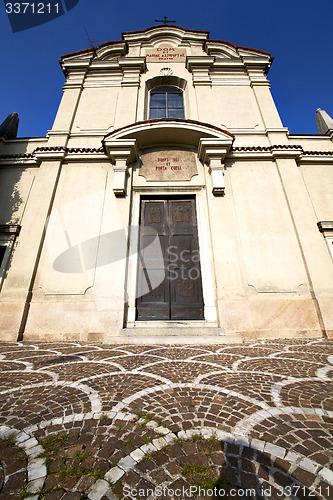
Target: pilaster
<point>316,259</point>
<point>17,290</point>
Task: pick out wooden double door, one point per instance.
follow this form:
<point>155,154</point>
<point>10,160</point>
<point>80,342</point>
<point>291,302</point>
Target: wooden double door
<point>169,285</point>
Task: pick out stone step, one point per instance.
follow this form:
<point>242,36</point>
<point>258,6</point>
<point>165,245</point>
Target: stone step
<point>166,336</point>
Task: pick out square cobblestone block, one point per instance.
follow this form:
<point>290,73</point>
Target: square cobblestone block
<point>126,463</point>
<point>98,490</point>
<point>114,474</point>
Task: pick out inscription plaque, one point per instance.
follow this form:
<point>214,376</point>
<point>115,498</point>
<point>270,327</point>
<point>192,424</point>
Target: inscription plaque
<point>165,53</point>
<point>168,165</point>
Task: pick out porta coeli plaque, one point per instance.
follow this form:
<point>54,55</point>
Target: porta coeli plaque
<point>168,165</point>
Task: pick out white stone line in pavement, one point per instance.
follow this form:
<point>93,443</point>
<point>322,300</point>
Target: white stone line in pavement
<point>28,366</point>
<point>157,347</point>
<point>260,358</point>
<point>96,405</point>
<point>91,346</point>
<point>300,360</point>
<point>120,349</point>
<point>205,352</point>
<point>108,362</point>
<point>127,372</point>
<point>151,375</point>
<point>212,354</point>
<point>222,371</point>
<point>235,365</point>
<point>150,390</point>
<point>322,373</point>
<point>127,463</point>
<point>138,355</point>
<point>278,386</point>
<point>36,468</point>
<point>4,353</point>
<point>102,375</point>
<point>177,347</point>
<point>192,361</point>
<point>278,353</point>
<point>243,427</point>
<point>92,361</point>
<point>228,347</point>
<point>79,417</point>
<point>199,378</point>
<point>30,385</point>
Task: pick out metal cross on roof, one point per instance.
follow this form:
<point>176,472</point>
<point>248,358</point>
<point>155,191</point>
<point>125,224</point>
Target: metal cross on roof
<point>164,20</point>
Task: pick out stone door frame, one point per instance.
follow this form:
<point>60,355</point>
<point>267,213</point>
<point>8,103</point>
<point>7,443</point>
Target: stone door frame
<point>207,273</point>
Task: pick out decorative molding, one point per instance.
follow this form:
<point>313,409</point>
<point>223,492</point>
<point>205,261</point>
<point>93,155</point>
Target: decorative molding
<point>200,67</point>
<point>325,226</point>
<point>295,151</point>
<point>132,67</point>
<point>288,151</point>
<point>318,153</point>
<point>166,72</point>
<point>17,156</point>
<point>166,80</point>
<point>10,229</point>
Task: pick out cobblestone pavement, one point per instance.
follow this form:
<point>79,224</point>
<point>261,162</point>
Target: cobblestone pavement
<point>82,421</point>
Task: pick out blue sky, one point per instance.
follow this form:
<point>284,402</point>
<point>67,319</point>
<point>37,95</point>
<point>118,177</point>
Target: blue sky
<point>298,33</point>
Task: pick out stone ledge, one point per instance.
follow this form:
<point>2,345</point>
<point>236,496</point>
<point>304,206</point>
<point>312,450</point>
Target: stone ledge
<point>166,336</point>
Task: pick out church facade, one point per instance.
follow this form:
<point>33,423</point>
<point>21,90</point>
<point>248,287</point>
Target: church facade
<point>167,204</point>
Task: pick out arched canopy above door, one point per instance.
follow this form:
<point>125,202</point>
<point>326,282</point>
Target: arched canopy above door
<point>212,145</point>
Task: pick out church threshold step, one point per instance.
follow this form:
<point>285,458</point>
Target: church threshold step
<point>180,336</point>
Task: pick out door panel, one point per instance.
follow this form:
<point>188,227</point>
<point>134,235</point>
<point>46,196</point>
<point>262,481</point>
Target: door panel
<point>169,274</point>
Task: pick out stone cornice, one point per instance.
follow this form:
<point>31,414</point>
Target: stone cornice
<point>52,153</point>
<point>121,149</point>
<point>10,229</point>
<point>214,149</point>
<point>154,32</point>
<point>325,226</point>
<point>295,151</point>
<point>75,65</point>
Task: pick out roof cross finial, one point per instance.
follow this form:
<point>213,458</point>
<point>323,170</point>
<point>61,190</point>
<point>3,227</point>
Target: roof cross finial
<point>165,20</point>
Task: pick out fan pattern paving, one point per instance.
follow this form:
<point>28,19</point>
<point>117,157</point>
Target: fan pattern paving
<point>82,420</point>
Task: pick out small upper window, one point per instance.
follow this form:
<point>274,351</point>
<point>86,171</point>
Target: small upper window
<point>166,102</point>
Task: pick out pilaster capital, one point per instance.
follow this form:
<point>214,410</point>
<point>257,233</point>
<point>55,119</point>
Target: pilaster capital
<point>131,67</point>
<point>212,150</point>
<point>213,153</point>
<point>200,66</point>
<point>50,153</point>
<point>287,151</point>
<point>122,152</point>
<point>119,150</point>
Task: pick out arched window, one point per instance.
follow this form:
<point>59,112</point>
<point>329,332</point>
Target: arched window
<point>166,102</point>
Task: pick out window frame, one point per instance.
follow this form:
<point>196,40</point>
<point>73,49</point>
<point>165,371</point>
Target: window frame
<point>165,81</point>
<point>167,90</point>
